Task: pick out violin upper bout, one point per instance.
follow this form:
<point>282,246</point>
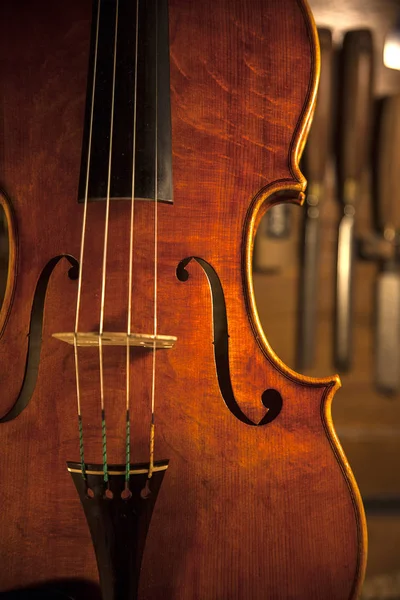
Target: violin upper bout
<point>243,119</point>
<point>306,117</point>
<point>291,186</point>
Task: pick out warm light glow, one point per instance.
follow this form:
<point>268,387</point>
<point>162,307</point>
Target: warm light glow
<point>391,52</point>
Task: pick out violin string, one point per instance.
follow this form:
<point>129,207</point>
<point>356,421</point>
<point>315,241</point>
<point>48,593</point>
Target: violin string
<point>81,254</point>
<point>153,378</point>
<point>132,218</point>
<point>104,268</point>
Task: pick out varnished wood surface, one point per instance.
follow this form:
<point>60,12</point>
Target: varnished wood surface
<point>244,512</point>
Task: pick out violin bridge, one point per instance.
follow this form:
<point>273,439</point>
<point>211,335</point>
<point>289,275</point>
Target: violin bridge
<point>144,340</point>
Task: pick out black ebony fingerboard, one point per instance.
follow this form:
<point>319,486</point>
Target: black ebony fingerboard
<point>151,102</point>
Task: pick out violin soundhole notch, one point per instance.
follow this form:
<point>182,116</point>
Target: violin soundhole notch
<point>271,398</point>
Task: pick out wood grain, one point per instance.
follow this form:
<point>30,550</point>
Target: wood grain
<point>244,512</point>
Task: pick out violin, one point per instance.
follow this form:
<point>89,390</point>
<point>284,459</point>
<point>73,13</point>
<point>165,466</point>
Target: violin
<point>153,446</point>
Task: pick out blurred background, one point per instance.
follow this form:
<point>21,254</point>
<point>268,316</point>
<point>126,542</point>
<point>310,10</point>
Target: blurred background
<point>327,276</point>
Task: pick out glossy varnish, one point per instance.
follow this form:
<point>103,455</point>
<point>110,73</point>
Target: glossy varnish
<point>244,511</point>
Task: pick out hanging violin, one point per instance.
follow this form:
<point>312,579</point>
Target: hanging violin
<point>141,142</point>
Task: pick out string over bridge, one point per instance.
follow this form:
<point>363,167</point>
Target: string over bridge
<point>144,340</point>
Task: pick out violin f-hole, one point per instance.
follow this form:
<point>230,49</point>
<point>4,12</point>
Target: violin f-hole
<point>271,398</point>
<point>35,335</point>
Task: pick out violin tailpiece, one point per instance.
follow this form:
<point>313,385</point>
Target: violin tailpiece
<point>118,522</point>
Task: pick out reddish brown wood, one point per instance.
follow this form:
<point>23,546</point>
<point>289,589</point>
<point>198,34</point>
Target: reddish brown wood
<point>243,512</point>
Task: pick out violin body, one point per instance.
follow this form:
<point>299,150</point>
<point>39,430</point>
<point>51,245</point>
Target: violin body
<point>258,500</point>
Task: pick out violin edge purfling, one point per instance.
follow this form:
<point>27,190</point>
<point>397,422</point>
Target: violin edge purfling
<point>294,192</point>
